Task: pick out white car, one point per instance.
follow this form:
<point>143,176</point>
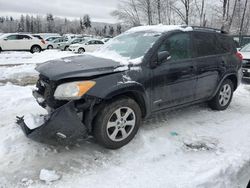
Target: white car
<point>21,42</point>
<point>89,46</point>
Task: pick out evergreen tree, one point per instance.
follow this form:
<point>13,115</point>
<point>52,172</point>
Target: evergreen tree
<point>21,24</point>
<point>50,23</point>
<point>27,23</point>
<point>118,29</point>
<point>104,31</point>
<point>86,21</point>
<point>111,30</point>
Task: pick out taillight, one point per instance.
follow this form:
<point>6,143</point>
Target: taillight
<point>239,55</point>
<point>43,41</point>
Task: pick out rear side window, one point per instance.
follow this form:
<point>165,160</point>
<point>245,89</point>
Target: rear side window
<point>23,37</point>
<point>178,46</point>
<point>227,44</point>
<point>38,36</point>
<point>205,44</point>
<point>98,42</point>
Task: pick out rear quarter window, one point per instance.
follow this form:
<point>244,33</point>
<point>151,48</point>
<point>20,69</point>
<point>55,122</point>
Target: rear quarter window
<point>227,44</point>
<point>205,44</point>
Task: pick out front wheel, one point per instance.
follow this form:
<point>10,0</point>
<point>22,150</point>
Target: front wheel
<point>50,47</point>
<point>117,124</point>
<point>223,97</point>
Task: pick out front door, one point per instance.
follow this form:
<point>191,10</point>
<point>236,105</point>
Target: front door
<point>174,80</point>
<point>10,42</point>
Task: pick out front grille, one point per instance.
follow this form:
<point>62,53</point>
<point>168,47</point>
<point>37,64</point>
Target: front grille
<point>47,88</point>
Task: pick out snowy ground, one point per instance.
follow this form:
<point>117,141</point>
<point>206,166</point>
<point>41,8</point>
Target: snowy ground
<point>191,147</point>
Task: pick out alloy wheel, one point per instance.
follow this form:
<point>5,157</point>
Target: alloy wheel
<point>225,94</point>
<point>121,124</point>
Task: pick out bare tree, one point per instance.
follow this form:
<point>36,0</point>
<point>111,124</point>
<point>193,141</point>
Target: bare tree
<point>128,12</point>
<point>201,11</point>
<point>242,20</point>
<point>185,16</point>
<point>159,10</point>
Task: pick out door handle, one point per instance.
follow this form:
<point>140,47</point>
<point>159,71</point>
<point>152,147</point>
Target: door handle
<point>223,63</point>
<point>189,70</point>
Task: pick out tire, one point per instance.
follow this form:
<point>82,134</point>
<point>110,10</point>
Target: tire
<point>66,48</point>
<point>50,47</point>
<point>224,96</point>
<point>114,137</point>
<point>81,50</point>
<point>35,49</point>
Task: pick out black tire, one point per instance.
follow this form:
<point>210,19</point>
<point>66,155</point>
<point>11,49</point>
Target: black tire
<point>215,103</point>
<point>35,49</point>
<point>50,47</point>
<point>81,50</point>
<point>103,134</point>
<point>66,48</point>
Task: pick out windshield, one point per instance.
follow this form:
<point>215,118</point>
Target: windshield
<point>246,48</point>
<point>131,45</point>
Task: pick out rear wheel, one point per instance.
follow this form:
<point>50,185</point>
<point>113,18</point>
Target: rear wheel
<point>35,49</point>
<point>117,124</point>
<point>81,50</point>
<point>223,97</point>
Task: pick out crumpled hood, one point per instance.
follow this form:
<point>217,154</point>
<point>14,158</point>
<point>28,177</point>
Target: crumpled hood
<point>77,66</point>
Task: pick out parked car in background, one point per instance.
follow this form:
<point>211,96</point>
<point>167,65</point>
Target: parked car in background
<point>105,40</point>
<point>49,39</point>
<point>21,42</point>
<point>48,35</point>
<point>245,52</point>
<point>55,44</point>
<point>65,46</point>
<point>86,46</point>
<point>169,67</point>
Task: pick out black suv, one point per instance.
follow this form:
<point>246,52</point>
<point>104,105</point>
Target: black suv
<point>166,67</point>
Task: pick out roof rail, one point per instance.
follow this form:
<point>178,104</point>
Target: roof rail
<point>209,29</point>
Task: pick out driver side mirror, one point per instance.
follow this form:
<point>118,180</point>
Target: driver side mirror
<point>5,39</point>
<point>163,56</point>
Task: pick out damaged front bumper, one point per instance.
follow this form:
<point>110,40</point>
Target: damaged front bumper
<point>64,122</point>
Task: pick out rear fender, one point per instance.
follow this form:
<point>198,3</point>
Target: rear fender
<point>222,80</point>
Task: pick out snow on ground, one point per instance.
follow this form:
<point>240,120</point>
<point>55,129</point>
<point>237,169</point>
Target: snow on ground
<point>186,148</point>
<point>8,58</point>
<point>19,67</point>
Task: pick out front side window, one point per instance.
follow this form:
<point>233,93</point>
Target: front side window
<point>178,46</point>
<point>12,37</point>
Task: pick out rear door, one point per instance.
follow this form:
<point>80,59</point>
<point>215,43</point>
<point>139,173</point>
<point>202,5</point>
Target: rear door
<point>207,57</point>
<point>174,81</point>
<point>24,42</point>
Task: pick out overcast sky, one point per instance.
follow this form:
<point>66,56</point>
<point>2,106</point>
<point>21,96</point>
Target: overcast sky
<point>99,10</point>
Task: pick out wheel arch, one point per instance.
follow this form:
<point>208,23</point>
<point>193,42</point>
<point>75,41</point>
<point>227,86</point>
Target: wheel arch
<point>233,77</point>
<point>35,45</point>
<point>81,48</point>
